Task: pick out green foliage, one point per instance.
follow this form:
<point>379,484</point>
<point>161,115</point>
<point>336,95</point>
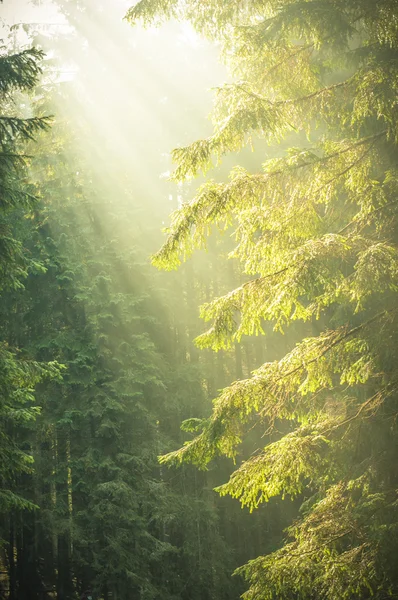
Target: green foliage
<point>19,373</point>
<point>20,72</point>
<point>315,234</point>
<point>335,548</point>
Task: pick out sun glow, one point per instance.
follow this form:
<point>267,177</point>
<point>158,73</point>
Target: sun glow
<point>135,94</point>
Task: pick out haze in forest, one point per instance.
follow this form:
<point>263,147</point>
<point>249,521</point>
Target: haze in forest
<point>198,312</point>
<point>136,94</point>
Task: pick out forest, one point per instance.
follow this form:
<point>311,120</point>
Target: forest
<point>199,316</point>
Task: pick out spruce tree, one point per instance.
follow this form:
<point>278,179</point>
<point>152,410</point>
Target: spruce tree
<point>19,374</point>
<point>316,238</point>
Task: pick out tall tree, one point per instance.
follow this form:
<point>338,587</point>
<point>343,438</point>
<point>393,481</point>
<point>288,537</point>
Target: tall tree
<point>20,373</point>
<point>316,236</point>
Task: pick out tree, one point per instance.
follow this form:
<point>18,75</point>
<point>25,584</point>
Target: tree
<point>18,73</point>
<point>20,373</point>
<point>316,237</point>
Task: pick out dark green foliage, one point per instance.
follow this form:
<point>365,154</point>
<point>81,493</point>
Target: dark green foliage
<point>19,373</point>
<point>20,72</point>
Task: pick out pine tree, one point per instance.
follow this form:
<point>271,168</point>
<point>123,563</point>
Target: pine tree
<point>316,237</point>
<point>19,374</point>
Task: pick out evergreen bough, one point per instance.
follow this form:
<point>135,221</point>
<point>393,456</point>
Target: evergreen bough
<point>316,236</point>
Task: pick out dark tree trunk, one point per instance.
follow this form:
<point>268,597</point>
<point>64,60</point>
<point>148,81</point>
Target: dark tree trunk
<point>12,575</point>
<point>64,566</point>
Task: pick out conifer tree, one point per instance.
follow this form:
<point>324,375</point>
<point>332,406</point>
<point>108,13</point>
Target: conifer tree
<point>316,237</point>
<point>19,375</point>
